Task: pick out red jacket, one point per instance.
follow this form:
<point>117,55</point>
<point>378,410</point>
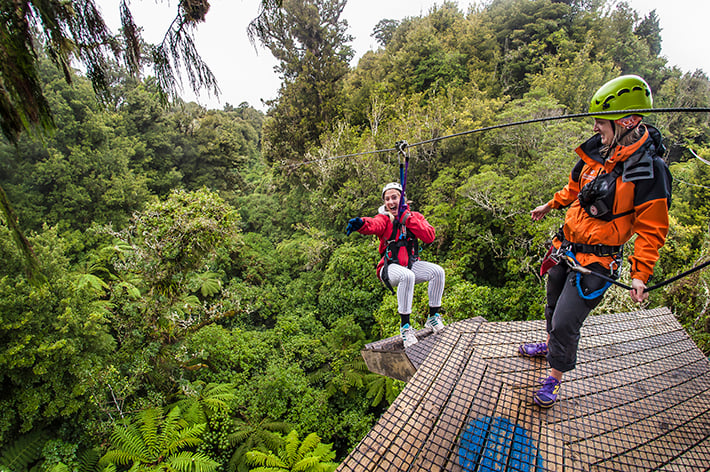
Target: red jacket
<point>640,204</point>
<point>382,227</point>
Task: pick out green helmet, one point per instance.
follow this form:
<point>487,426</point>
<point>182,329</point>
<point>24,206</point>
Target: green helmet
<point>628,92</point>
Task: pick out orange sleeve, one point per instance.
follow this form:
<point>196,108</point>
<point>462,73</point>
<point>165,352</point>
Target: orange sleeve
<point>566,196</point>
<point>651,227</point>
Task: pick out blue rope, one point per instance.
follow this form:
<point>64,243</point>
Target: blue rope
<point>593,295</point>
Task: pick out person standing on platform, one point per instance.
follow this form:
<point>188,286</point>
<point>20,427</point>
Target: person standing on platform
<point>619,187</point>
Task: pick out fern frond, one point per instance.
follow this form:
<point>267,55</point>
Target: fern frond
<point>129,447</point>
<point>118,457</point>
<point>277,426</point>
<point>89,460</point>
<point>192,462</point>
<point>59,467</point>
<point>24,451</point>
<point>308,445</point>
<point>210,284</point>
<point>148,424</point>
<point>325,452</point>
<point>93,282</point>
<point>238,461</point>
<point>359,364</point>
<point>109,468</point>
<point>272,441</point>
<point>192,411</point>
<point>307,464</point>
<point>353,378</point>
<point>291,448</point>
<point>131,290</point>
<point>329,466</point>
<point>238,437</point>
<point>263,459</point>
<point>226,394</point>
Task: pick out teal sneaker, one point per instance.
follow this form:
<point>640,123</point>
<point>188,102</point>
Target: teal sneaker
<point>408,336</point>
<point>547,395</point>
<point>435,323</point>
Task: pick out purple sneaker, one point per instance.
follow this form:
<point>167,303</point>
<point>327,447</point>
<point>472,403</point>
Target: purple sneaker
<point>533,350</point>
<point>547,395</point>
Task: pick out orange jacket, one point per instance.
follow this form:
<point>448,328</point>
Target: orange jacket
<point>639,204</point>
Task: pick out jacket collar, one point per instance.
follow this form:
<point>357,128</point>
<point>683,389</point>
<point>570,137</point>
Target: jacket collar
<point>648,143</point>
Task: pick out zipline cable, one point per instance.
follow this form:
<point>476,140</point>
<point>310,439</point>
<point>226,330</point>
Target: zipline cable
<point>507,125</point>
<point>401,147</point>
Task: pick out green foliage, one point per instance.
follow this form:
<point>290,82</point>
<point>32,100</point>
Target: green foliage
<point>155,442</point>
<point>381,389</point>
<point>188,272</point>
<point>23,452</point>
<point>54,339</point>
<point>264,436</point>
<point>308,39</point>
<point>350,285</point>
<point>200,401</point>
<point>308,456</point>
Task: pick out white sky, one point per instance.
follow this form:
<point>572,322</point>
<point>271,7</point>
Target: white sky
<point>245,74</point>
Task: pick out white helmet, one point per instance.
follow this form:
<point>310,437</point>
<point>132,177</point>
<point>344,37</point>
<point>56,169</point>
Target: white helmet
<point>390,186</point>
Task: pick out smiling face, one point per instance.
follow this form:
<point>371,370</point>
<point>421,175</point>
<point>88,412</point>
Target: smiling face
<point>605,130</point>
<point>391,198</point>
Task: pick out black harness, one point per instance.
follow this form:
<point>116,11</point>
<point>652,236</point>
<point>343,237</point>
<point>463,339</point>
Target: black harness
<point>391,254</point>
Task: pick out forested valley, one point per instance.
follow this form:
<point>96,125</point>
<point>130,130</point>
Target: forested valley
<point>198,306</point>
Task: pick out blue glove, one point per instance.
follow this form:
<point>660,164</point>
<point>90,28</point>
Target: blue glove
<point>353,225</point>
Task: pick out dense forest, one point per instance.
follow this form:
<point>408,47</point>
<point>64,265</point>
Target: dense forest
<point>200,307</point>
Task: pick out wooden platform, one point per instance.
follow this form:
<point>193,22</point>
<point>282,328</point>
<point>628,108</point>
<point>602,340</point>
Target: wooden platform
<point>638,400</point>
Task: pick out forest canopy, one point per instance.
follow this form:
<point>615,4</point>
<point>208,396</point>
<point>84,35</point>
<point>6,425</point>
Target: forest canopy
<point>197,279</point>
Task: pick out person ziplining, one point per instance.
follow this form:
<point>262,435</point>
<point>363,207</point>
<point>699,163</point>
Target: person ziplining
<point>619,187</point>
<point>399,230</point>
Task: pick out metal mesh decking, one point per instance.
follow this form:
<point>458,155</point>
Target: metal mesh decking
<point>639,399</point>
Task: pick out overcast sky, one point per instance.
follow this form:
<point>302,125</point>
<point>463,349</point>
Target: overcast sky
<point>246,74</point>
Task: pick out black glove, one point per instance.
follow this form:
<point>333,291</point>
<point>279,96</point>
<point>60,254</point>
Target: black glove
<point>353,225</point>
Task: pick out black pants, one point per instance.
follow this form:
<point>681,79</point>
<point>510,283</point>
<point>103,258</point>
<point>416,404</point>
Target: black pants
<point>566,311</point>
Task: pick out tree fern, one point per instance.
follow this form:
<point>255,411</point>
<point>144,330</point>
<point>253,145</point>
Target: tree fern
<point>22,453</point>
<point>263,436</point>
<point>201,399</point>
<point>152,441</point>
<point>309,456</point>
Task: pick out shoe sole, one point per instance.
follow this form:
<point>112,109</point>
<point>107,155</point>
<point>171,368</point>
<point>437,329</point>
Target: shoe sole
<point>436,330</point>
<point>543,404</point>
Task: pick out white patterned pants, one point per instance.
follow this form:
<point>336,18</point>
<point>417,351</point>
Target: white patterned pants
<point>405,279</point>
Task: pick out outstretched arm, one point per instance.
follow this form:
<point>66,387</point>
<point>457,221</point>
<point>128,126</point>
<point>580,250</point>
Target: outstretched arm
<point>354,224</point>
<point>540,212</point>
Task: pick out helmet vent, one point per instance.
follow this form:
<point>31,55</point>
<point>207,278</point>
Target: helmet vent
<point>623,91</point>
